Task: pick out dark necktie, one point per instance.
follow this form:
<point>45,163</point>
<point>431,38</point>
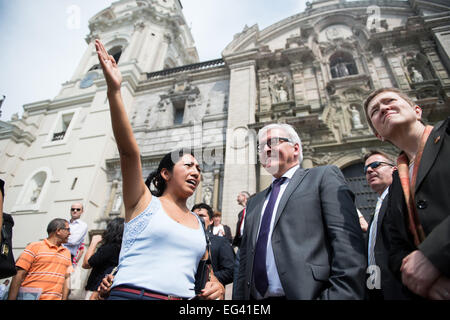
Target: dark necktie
<point>259,262</point>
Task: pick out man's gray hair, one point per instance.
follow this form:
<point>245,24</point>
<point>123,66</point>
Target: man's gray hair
<point>56,224</point>
<point>290,131</point>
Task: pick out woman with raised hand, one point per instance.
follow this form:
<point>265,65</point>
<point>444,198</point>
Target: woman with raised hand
<point>163,241</point>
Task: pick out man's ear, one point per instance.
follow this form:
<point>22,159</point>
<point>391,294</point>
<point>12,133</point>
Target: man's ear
<point>378,136</point>
<point>297,149</point>
<point>418,111</point>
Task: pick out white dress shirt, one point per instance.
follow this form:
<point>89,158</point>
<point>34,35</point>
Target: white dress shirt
<point>275,289</point>
<point>374,227</point>
<point>78,231</point>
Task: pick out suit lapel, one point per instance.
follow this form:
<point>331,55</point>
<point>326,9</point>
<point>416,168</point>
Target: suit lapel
<point>295,181</point>
<point>430,152</point>
<point>382,212</point>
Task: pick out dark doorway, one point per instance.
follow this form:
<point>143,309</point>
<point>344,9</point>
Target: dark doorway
<point>365,198</point>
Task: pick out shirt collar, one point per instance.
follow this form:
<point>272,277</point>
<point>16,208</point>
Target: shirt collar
<point>51,245</point>
<point>290,173</point>
<point>77,221</point>
<point>385,192</point>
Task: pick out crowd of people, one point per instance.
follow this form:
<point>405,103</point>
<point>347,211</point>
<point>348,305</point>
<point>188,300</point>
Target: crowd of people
<point>300,239</point>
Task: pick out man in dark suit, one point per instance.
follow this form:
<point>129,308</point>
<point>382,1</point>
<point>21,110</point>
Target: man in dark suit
<point>418,216</point>
<point>242,201</point>
<point>222,254</point>
<point>302,238</point>
<point>382,284</point>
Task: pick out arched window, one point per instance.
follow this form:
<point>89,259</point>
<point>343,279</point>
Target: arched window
<point>116,52</point>
<point>342,64</point>
<point>33,191</point>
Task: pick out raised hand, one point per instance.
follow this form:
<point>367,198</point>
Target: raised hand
<point>111,72</point>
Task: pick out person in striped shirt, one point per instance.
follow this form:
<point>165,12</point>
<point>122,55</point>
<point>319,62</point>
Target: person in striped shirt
<point>45,265</point>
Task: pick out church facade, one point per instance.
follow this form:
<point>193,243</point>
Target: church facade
<point>311,70</point>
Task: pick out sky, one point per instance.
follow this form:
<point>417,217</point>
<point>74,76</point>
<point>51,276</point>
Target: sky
<point>44,40</point>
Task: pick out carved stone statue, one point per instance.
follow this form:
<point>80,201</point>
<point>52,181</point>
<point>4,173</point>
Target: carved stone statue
<point>36,193</point>
<point>117,203</point>
<point>356,118</point>
<point>277,88</point>
<point>340,69</point>
<point>416,76</point>
<point>282,94</point>
<point>207,195</point>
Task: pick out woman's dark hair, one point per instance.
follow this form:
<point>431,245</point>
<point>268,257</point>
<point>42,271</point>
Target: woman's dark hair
<point>114,231</point>
<point>155,182</point>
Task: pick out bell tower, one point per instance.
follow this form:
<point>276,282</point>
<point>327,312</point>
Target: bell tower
<point>149,34</point>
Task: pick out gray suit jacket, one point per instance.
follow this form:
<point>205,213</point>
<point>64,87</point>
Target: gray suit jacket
<point>317,240</point>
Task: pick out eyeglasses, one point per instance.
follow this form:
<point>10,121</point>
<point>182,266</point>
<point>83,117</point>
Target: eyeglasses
<point>67,229</point>
<point>375,165</point>
<point>75,209</point>
<point>273,142</point>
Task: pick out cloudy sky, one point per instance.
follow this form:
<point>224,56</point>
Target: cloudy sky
<point>43,42</point>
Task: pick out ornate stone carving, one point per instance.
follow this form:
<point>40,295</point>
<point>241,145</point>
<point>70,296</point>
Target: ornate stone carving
<point>279,88</point>
<point>356,118</point>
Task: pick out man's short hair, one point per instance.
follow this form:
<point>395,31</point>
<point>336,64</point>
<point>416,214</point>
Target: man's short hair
<point>56,224</point>
<point>377,92</point>
<point>204,206</point>
<point>245,193</point>
<point>290,131</point>
<point>381,153</point>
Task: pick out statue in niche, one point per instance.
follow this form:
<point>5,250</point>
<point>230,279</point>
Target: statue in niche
<point>356,118</point>
<point>415,75</point>
<point>282,94</point>
<point>36,193</point>
<point>278,88</point>
<point>341,68</point>
<point>207,195</point>
<point>117,203</point>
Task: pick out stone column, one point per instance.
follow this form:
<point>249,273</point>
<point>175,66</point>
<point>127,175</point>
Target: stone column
<point>393,62</point>
<point>240,154</point>
<point>299,83</point>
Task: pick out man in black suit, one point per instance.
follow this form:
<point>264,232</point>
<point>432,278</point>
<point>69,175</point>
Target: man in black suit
<point>222,254</point>
<point>382,284</point>
<point>418,216</point>
<point>302,238</point>
<point>242,201</point>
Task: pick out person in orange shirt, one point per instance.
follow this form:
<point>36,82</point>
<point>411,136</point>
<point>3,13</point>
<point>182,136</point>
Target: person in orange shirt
<point>45,265</point>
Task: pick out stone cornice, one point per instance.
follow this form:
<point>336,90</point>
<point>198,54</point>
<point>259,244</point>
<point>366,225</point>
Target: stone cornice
<point>49,105</point>
<point>16,134</point>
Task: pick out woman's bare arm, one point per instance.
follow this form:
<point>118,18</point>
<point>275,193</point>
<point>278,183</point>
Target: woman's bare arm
<point>135,193</point>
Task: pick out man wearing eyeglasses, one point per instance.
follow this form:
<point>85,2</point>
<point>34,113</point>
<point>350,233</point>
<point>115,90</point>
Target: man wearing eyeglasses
<point>43,269</point>
<point>381,285</point>
<point>302,239</point>
<point>78,231</point>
